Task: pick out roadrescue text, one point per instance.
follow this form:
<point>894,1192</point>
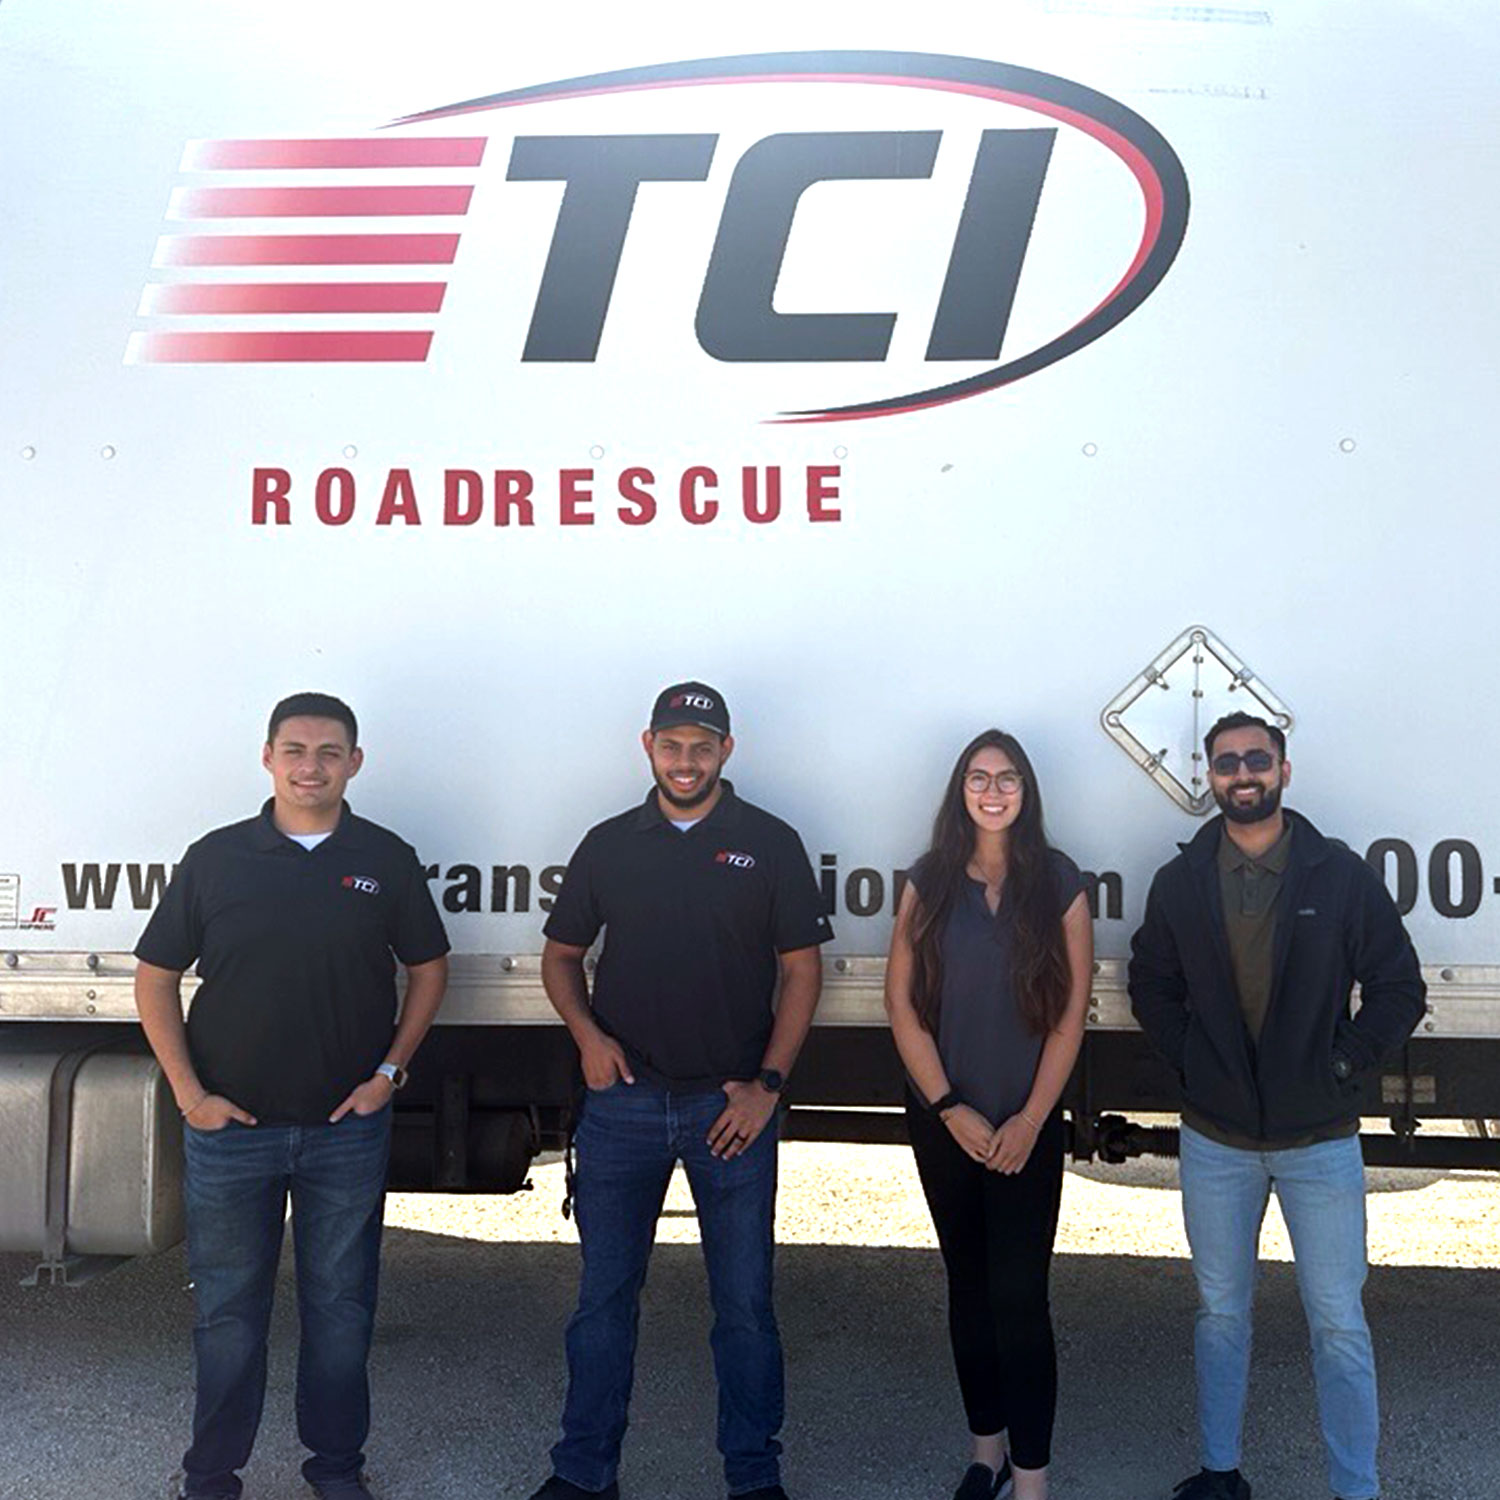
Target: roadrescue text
<point>695,494</point>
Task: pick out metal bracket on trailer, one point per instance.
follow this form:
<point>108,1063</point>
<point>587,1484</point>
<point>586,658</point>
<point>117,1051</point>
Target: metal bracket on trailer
<point>57,1267</point>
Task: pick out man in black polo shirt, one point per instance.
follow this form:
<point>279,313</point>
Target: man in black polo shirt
<point>707,900</point>
<point>284,1074</point>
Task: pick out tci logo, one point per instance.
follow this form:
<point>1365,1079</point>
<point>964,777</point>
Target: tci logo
<point>983,242</point>
<point>42,919</point>
<point>691,700</point>
<point>735,860</point>
<point>365,883</point>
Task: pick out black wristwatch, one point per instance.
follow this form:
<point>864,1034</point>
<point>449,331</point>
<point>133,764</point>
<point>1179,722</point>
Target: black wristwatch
<point>946,1102</point>
<point>772,1081</point>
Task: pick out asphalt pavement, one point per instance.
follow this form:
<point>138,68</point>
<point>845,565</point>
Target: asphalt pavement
<point>95,1387</point>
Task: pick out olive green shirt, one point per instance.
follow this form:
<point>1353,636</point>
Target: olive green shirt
<point>1249,888</point>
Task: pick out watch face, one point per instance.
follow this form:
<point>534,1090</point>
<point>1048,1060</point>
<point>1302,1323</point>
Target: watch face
<point>771,1080</point>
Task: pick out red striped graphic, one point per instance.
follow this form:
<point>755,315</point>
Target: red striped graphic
<point>384,151</point>
<point>317,202</point>
<point>254,297</point>
<point>306,249</point>
<point>293,297</point>
<point>382,347</point>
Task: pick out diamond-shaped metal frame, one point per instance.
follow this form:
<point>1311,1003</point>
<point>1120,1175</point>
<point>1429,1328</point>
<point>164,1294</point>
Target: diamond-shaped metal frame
<point>1218,682</point>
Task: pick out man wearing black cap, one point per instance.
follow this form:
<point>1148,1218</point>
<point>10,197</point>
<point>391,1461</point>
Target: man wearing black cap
<point>708,902</point>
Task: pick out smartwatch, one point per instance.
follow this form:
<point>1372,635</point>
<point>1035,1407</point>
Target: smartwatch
<point>395,1072</point>
<point>772,1081</point>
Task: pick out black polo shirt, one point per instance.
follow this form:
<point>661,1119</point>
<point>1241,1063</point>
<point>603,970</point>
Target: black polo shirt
<point>295,949</point>
<point>693,923</point>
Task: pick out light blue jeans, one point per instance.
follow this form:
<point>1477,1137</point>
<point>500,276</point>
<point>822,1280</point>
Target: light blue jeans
<point>1321,1190</point>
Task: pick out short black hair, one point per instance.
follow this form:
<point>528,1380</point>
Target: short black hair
<point>313,706</point>
<point>1241,720</point>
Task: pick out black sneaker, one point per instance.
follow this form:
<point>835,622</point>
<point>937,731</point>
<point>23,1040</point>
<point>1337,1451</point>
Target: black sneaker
<point>558,1488</point>
<point>980,1482</point>
<point>1213,1484</point>
<point>344,1489</point>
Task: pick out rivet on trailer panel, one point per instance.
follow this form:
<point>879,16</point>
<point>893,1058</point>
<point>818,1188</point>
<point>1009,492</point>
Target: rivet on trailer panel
<point>28,452</point>
<point>108,451</point>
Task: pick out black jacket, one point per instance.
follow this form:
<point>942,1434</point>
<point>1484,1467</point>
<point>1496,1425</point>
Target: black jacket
<point>1335,924</point>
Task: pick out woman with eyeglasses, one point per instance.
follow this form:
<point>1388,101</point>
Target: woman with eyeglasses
<point>986,988</point>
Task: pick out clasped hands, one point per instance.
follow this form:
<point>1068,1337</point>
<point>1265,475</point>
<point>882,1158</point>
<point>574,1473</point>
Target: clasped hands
<point>1002,1148</point>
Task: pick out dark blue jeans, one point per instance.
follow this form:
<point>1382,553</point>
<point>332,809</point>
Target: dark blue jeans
<point>237,1184</point>
<point>628,1140</point>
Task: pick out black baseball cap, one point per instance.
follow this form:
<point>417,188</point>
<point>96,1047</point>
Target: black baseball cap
<point>691,703</point>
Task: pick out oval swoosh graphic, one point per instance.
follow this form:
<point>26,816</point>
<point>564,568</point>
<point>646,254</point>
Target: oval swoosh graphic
<point>1138,145</point>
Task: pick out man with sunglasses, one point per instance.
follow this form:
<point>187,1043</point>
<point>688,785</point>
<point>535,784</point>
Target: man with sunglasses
<point>1240,975</point>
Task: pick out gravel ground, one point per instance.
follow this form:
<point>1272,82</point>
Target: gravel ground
<point>95,1388</point>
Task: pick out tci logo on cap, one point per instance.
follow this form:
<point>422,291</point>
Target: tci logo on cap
<point>691,700</point>
<point>366,883</point>
<point>737,860</point>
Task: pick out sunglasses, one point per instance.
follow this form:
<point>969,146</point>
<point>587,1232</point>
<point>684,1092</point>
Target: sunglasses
<point>1257,762</point>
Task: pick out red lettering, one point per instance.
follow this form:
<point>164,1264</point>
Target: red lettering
<point>699,512</point>
<point>269,490</point>
<point>754,510</point>
<point>331,510</point>
<point>823,484</point>
<point>462,509</point>
<point>513,493</point>
<point>574,496</point>
<point>398,501</point>
<point>633,484</point>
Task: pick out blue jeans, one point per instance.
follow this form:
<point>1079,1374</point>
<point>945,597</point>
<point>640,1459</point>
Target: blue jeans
<point>628,1140</point>
<point>1321,1190</point>
<point>237,1183</point>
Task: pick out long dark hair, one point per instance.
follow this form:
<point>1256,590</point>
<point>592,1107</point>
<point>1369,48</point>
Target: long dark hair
<point>1029,898</point>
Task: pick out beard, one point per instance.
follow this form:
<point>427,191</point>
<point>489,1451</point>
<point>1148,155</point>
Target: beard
<point>686,803</point>
<point>1249,812</point>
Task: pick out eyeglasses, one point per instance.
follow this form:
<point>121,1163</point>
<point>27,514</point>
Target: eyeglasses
<point>1007,782</point>
<point>1254,761</point>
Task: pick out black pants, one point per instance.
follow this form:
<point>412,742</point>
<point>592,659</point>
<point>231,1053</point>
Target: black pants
<point>996,1235</point>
